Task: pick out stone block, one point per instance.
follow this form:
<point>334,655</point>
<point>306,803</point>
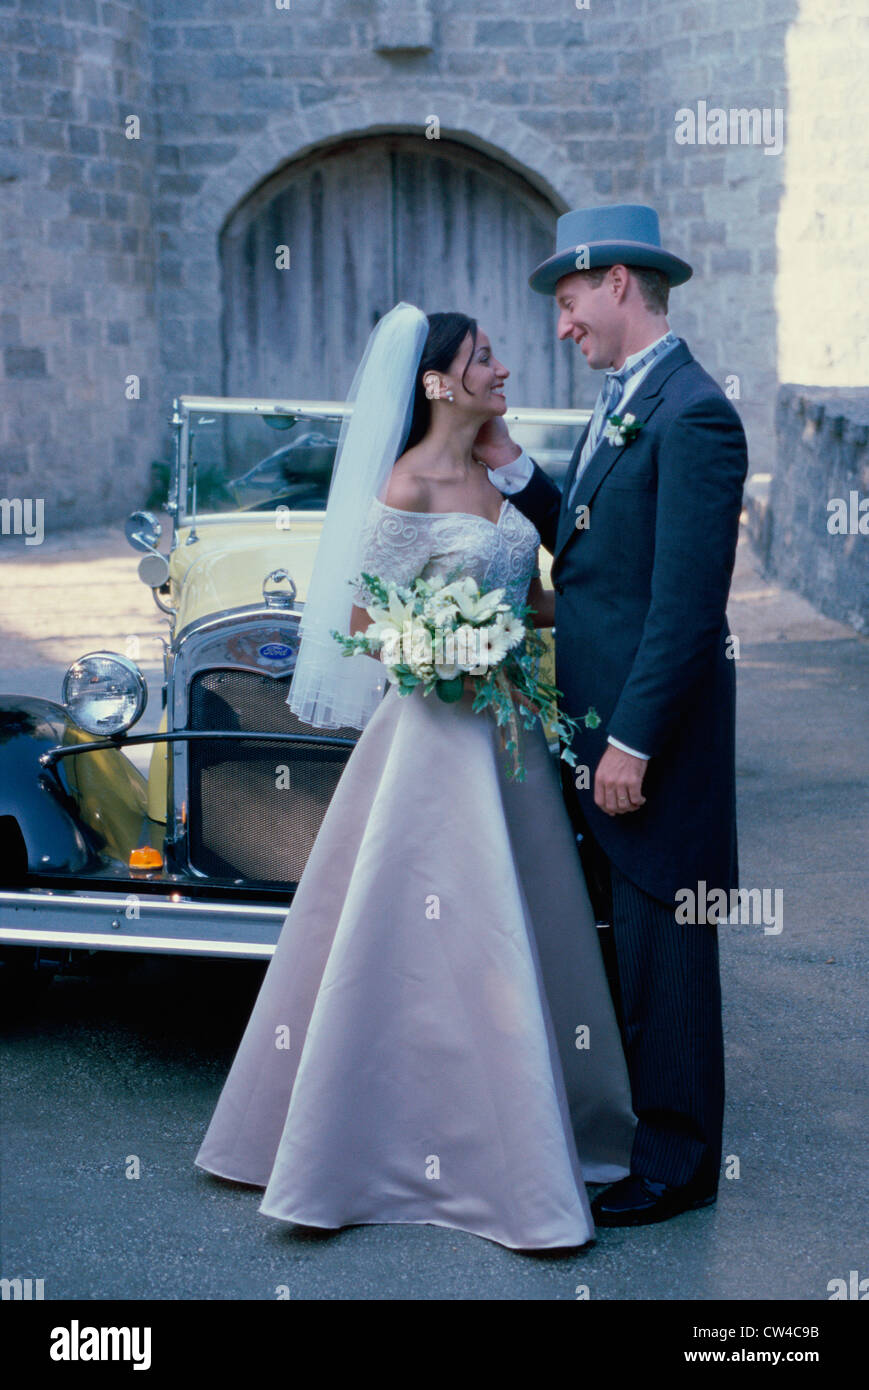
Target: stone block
<point>115,206</point>
<point>38,67</point>
<point>562,33</point>
<point>729,258</point>
<point>235,65</point>
<point>67,299</point>
<point>207,36</point>
<point>22,98</point>
<point>83,139</point>
<point>15,464</point>
<point>102,237</point>
<point>10,329</point>
<point>24,362</point>
<point>84,203</point>
<point>507,33</point>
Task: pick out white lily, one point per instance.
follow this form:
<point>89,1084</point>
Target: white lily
<point>474,607</point>
<point>395,614</point>
<point>489,605</point>
<point>433,583</point>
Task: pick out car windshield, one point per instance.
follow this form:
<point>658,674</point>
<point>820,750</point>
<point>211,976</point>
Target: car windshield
<point>243,462</point>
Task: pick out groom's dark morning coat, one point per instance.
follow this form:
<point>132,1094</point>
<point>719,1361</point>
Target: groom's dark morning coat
<point>640,627</point>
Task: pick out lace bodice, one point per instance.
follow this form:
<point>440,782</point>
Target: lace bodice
<point>399,545</point>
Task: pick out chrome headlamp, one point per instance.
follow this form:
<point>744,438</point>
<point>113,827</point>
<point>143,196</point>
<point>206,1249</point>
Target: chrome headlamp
<point>104,693</point>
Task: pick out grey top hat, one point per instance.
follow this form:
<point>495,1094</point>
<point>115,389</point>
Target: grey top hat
<point>623,233</point>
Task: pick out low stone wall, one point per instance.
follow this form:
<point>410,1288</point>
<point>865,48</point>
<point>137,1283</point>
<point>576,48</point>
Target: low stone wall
<point>809,521</point>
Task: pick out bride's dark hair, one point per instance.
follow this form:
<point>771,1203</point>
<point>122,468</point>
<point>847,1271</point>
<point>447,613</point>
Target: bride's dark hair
<point>446,334</point>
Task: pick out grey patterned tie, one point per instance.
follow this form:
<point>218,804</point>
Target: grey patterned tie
<point>608,398</point>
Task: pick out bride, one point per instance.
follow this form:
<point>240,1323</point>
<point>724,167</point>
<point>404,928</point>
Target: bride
<point>434,1040</point>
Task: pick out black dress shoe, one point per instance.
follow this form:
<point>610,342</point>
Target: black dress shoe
<point>637,1201</point>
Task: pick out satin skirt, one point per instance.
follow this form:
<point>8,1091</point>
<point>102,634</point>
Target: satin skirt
<point>434,1039</point>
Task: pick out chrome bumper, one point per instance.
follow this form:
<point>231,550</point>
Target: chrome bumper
<point>132,922</point>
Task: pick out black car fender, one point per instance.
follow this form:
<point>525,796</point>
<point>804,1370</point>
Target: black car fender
<point>84,813</point>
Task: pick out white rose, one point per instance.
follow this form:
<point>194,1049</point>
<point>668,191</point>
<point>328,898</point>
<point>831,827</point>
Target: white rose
<point>418,648</point>
<point>447,670</point>
<point>468,648</point>
<point>440,611</point>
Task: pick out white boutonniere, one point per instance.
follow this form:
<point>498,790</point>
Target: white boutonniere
<point>621,429</point>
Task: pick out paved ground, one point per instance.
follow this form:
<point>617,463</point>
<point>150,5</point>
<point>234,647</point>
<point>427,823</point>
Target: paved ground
<point>130,1059</point>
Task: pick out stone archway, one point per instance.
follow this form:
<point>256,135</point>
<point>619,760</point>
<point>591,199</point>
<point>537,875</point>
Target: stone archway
<point>361,224</point>
<point>486,128</point>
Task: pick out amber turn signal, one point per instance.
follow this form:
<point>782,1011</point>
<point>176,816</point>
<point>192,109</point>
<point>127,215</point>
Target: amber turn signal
<point>146,858</point>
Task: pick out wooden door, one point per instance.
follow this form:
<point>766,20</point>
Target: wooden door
<point>370,222</point>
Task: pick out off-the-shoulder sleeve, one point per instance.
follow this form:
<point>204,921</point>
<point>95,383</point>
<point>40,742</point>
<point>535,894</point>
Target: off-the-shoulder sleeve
<point>394,545</point>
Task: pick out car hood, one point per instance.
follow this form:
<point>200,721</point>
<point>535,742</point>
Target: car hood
<point>225,566</point>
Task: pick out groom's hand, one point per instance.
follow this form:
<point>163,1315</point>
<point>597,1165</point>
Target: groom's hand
<point>493,445</point>
<point>618,782</point>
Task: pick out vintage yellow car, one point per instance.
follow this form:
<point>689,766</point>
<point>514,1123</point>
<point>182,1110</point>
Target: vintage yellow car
<point>201,857</point>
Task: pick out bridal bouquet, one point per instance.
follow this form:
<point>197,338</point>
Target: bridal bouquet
<point>434,633</point>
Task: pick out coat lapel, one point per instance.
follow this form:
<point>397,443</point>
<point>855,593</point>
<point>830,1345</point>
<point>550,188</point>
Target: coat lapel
<point>642,404</point>
<point>574,462</point>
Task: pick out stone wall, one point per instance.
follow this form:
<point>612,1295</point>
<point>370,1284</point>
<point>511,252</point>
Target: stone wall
<point>111,246</point>
<point>78,257</point>
<point>582,100</point>
<point>721,201</point>
<point>534,86</point>
<point>806,519</point>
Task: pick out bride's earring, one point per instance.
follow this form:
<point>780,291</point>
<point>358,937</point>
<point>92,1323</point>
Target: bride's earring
<point>435,391</point>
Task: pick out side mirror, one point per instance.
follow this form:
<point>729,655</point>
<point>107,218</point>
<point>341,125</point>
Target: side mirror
<point>143,531</point>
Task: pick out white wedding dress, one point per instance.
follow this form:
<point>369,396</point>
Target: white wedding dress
<point>417,1051</point>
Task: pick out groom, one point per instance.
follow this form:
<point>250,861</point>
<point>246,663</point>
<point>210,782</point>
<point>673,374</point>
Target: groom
<point>643,537</point>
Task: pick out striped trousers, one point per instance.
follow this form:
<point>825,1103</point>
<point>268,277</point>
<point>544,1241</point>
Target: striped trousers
<point>666,989</point>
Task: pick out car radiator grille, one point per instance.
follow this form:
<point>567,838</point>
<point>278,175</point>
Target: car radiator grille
<point>255,807</point>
